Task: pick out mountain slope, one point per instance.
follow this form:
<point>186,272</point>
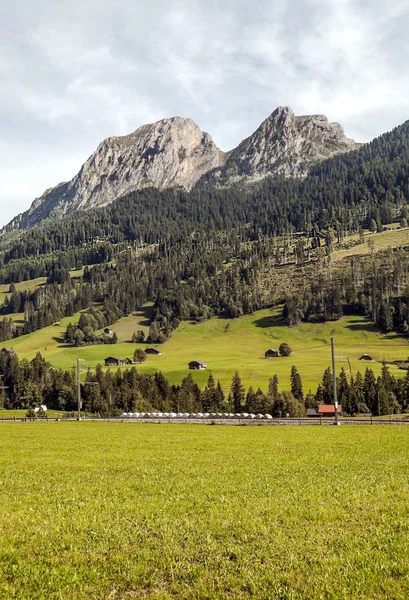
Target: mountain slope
<point>170,153</point>
<point>176,153</point>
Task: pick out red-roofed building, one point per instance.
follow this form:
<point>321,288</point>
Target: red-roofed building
<point>328,410</point>
<point>324,410</point>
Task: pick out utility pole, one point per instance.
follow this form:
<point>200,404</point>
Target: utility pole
<point>79,388</point>
<point>3,387</point>
<point>334,380</point>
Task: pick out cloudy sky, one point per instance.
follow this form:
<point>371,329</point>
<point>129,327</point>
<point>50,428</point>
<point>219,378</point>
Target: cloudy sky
<point>73,73</point>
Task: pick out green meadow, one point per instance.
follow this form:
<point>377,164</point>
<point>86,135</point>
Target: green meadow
<point>32,284</point>
<point>230,345</point>
<point>119,510</point>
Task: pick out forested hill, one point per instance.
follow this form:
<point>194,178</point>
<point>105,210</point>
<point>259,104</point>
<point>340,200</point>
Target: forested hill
<point>222,250</point>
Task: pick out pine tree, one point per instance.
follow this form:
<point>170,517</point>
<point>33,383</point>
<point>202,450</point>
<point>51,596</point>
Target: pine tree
<point>296,384</point>
<point>237,393</point>
<point>273,388</point>
<point>209,395</point>
<point>343,390</point>
<point>370,391</point>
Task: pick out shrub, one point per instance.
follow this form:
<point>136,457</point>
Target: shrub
<point>284,349</point>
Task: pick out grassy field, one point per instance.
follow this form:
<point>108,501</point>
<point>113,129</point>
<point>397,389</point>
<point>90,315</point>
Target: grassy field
<point>393,238</point>
<point>21,413</point>
<point>140,320</point>
<point>227,345</point>
<point>32,284</point>
<point>23,286</point>
<point>118,511</point>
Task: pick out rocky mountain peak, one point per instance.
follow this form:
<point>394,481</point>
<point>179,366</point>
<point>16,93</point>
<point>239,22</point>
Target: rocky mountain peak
<point>172,152</point>
<point>286,144</point>
<point>175,152</point>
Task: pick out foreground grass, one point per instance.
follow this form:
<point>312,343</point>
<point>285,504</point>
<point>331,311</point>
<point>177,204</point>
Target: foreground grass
<point>142,511</point>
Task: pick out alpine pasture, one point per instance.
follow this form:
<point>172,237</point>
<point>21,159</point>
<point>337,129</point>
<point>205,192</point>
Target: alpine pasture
<point>230,345</point>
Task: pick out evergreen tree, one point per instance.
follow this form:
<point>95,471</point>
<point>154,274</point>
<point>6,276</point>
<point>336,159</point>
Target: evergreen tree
<point>296,384</point>
<point>237,393</point>
<point>273,388</point>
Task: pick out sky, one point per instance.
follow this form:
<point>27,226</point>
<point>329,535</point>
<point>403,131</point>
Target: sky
<point>73,73</point>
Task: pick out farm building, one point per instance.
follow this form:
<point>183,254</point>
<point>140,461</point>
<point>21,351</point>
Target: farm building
<point>323,410</point>
<point>153,351</point>
<point>113,361</point>
<point>271,353</point>
<point>365,357</point>
<point>9,351</point>
<point>108,331</point>
<point>197,365</point>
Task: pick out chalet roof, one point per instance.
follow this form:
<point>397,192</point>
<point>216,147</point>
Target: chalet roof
<point>324,409</point>
<point>112,358</point>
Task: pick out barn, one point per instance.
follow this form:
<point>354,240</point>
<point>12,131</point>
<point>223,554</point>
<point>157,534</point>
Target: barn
<point>271,353</point>
<point>113,361</point>
<point>153,351</point>
<point>197,365</point>
<point>365,357</point>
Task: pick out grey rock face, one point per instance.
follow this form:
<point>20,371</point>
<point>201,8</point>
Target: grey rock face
<point>176,153</point>
<point>170,153</point>
<point>287,145</point>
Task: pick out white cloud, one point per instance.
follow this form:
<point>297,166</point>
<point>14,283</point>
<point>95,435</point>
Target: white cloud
<point>73,74</point>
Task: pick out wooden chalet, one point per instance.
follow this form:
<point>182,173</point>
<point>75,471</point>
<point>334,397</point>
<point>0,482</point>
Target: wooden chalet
<point>113,361</point>
<point>271,353</point>
<point>197,365</point>
<point>151,350</point>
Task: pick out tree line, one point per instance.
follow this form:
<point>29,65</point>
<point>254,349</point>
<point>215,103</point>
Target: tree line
<point>28,384</point>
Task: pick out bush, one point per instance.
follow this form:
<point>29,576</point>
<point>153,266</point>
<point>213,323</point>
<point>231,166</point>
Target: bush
<point>284,349</point>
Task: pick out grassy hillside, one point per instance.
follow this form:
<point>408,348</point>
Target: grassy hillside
<point>32,284</point>
<point>393,238</point>
<point>227,345</point>
<point>104,510</point>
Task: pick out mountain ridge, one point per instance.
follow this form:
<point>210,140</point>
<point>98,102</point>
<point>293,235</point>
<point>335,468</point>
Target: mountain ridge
<point>175,153</point>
